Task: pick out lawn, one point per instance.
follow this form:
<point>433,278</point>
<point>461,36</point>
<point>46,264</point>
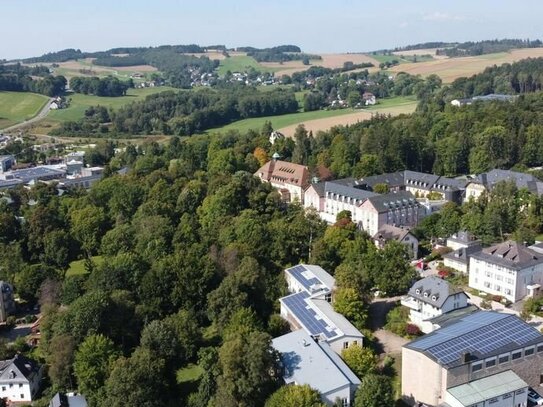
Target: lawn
<point>16,107</point>
<point>79,103</point>
<point>77,267</point>
<point>191,373</point>
<point>241,63</point>
<point>285,120</point>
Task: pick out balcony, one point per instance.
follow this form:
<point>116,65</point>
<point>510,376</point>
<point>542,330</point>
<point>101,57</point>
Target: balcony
<point>410,303</point>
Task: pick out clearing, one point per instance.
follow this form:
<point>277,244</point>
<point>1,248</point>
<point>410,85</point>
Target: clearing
<point>322,119</point>
<point>449,69</point>
<point>419,52</point>
<point>16,107</point>
<point>77,267</point>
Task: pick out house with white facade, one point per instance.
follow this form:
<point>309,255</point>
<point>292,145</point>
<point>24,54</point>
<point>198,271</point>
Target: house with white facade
<point>343,195</point>
<point>19,379</point>
<point>508,269</point>
<point>483,359</point>
<point>308,361</point>
<point>431,297</point>
<point>396,209</point>
<point>463,244</point>
<point>388,233</point>
<point>486,181</point>
<point>290,179</point>
<point>314,197</point>
<point>309,307</point>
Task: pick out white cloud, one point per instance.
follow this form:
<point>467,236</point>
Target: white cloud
<point>439,16</point>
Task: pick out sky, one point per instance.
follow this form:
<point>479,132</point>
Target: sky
<point>34,27</point>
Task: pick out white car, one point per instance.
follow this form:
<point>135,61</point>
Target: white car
<point>535,397</point>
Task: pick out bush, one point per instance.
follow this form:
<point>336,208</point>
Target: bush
<point>486,304</point>
<point>413,330</point>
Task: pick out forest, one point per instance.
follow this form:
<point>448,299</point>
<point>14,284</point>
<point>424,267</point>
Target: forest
<point>186,113</point>
<point>471,48</point>
<point>18,78</point>
<point>108,86</point>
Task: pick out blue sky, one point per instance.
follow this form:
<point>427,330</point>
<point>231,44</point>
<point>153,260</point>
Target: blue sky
<point>33,27</point>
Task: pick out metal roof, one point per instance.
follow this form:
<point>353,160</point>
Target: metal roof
<point>433,290</point>
<point>347,189</point>
<point>308,362</point>
<point>487,388</point>
<point>481,334</point>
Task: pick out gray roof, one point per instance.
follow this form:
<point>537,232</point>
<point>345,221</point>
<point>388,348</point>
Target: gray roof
<point>433,290</point>
<point>487,388</point>
<point>464,237</point>
<point>426,179</point>
<point>463,254</point>
<point>443,319</point>
<point>29,174</point>
<point>68,400</point>
<point>346,187</point>
<point>390,232</point>
<point>307,362</point>
<point>18,369</point>
<point>476,336</point>
<point>336,318</point>
<point>510,254</point>
<point>393,200</point>
<point>393,179</point>
<point>318,187</point>
<point>520,179</point>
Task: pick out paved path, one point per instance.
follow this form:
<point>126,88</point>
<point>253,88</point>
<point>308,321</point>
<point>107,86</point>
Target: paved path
<point>42,114</point>
<point>388,342</point>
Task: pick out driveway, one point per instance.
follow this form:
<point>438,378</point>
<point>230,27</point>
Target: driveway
<point>388,342</point>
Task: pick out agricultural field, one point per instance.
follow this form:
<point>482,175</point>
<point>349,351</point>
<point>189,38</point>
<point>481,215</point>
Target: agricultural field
<point>17,107</point>
<point>449,69</point>
<point>240,63</point>
<point>322,119</point>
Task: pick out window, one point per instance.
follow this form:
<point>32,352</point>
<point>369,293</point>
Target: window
<point>516,355</point>
<point>11,385</point>
<point>345,345</point>
<point>475,367</point>
<point>3,388</point>
<point>529,351</point>
<point>20,385</point>
<point>490,362</point>
<point>345,402</point>
<point>22,396</point>
<point>492,401</point>
<point>503,358</point>
<point>539,347</point>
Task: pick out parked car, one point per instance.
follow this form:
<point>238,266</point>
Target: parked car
<point>535,397</point>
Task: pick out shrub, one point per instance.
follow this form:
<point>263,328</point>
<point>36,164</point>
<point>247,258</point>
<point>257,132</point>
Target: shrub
<point>412,330</point>
<point>486,304</point>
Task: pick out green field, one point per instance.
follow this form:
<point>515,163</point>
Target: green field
<point>16,107</point>
<point>79,103</point>
<point>241,63</point>
<point>402,59</point>
<point>77,267</point>
<point>294,118</point>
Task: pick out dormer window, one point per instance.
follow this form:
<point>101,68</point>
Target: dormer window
<point>434,298</point>
<point>417,291</point>
<point>425,295</point>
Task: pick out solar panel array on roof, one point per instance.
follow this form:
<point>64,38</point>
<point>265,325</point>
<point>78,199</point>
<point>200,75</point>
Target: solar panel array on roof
<point>480,334</point>
<point>300,273</point>
<point>307,315</point>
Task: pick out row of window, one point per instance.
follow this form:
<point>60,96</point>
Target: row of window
<point>10,386</point>
<point>506,357</point>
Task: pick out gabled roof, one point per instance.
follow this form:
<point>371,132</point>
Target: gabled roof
<point>318,187</point>
<point>510,254</point>
<point>310,274</point>
<point>463,254</point>
<point>345,187</point>
<point>520,179</point>
<point>476,337</point>
<point>389,232</point>
<point>284,171</point>
<point>18,369</point>
<point>313,363</point>
<point>433,290</point>
<point>393,179</point>
<point>463,237</point>
<point>393,200</point>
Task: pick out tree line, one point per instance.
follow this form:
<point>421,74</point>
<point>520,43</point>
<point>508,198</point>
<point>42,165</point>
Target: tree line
<point>18,78</point>
<point>108,86</point>
<point>471,48</point>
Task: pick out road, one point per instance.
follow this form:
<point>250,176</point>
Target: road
<point>42,114</point>
<point>389,343</point>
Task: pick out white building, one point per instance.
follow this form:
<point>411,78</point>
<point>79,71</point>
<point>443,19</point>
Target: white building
<point>68,400</point>
<point>342,195</point>
<point>508,269</point>
<point>388,233</point>
<point>290,179</point>
<point>463,245</point>
<point>431,297</point>
<point>306,361</point>
<point>19,379</point>
<point>309,308</point>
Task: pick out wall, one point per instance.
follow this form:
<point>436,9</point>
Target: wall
<point>415,367</point>
<point>462,267</point>
<point>15,391</point>
<point>313,200</point>
<point>338,343</point>
<point>344,392</point>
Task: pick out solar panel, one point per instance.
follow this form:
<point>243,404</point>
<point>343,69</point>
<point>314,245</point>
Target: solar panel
<point>307,316</point>
<point>298,273</point>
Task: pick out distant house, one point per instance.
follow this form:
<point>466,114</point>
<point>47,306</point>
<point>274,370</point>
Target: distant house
<point>19,379</point>
<point>493,97</point>
<point>309,307</point>
<point>7,301</point>
<point>68,400</point>
<point>369,99</point>
<point>485,182</point>
<point>463,245</point>
<point>6,162</point>
<point>290,179</point>
<point>388,233</point>
<point>508,269</point>
<point>306,361</point>
<point>274,136</point>
<point>431,297</point>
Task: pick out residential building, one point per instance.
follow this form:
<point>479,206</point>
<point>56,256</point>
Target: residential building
<point>343,195</point>
<point>396,209</point>
<point>274,136</point>
<point>431,297</point>
<point>7,302</point>
<point>6,162</point>
<point>399,234</point>
<point>68,400</point>
<point>307,361</point>
<point>290,179</point>
<point>19,379</point>
<point>486,181</point>
<point>508,269</point>
<point>463,245</point>
<point>471,351</point>
<point>314,197</point>
<point>309,307</point>
<point>369,99</point>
